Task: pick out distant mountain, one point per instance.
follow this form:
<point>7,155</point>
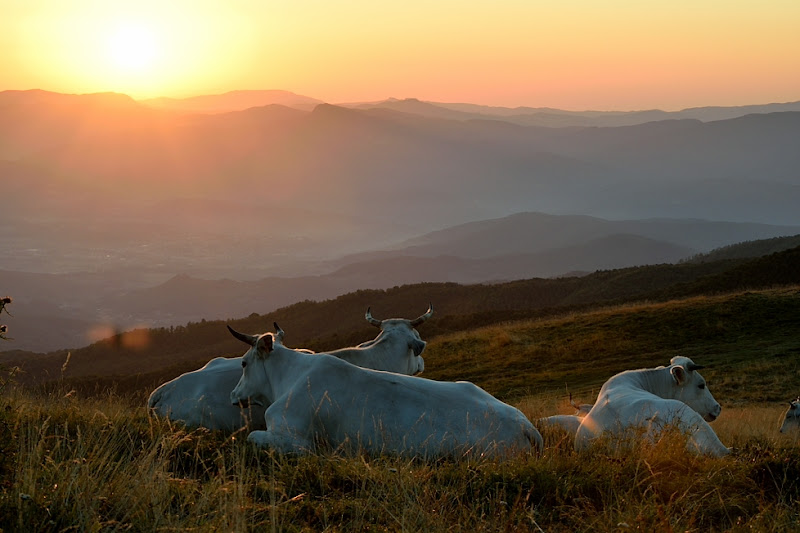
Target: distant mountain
<point>558,118</point>
<point>538,232</point>
<point>233,101</point>
<point>607,252</point>
<point>392,166</point>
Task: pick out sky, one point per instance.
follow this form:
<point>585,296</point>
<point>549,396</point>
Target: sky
<point>569,54</point>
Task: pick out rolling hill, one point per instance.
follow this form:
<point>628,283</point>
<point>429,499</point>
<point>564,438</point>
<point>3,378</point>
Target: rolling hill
<point>147,356</point>
<point>66,310</point>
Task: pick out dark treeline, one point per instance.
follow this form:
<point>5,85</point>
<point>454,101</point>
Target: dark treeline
<point>134,362</point>
<point>748,249</point>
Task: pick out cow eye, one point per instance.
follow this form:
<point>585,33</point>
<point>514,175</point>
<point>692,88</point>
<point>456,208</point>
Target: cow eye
<point>244,364</point>
<point>702,385</point>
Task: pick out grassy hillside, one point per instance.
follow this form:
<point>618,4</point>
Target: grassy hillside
<point>749,249</point>
<point>70,463</point>
<point>749,341</point>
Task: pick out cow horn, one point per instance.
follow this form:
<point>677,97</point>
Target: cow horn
<point>278,331</point>
<point>422,318</point>
<point>374,321</point>
<point>249,339</point>
<point>692,366</point>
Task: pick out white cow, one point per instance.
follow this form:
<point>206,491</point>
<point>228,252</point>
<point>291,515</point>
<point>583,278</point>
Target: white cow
<point>201,397</point>
<point>791,420</point>
<point>568,423</point>
<point>397,348</point>
<point>649,400</point>
<point>319,400</point>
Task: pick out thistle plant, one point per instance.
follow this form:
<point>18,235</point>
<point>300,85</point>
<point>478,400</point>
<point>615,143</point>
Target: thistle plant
<point>4,301</point>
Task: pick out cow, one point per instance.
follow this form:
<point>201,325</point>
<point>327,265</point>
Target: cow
<point>320,402</point>
<point>397,348</point>
<point>200,398</point>
<point>650,400</point>
<point>791,420</point>
<point>568,423</point>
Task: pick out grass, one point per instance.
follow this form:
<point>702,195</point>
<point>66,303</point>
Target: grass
<point>749,341</point>
<point>95,466</point>
<point>99,463</point>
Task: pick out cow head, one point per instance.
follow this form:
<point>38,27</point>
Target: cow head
<point>791,420</point>
<point>691,389</point>
<point>253,381</point>
<point>404,330</point>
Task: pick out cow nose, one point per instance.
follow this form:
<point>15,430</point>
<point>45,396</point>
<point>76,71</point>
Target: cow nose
<point>714,413</point>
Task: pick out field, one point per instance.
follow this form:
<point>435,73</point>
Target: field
<point>74,462</point>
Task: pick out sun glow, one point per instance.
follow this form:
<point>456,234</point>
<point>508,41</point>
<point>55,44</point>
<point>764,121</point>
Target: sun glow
<point>143,48</point>
<point>133,47</point>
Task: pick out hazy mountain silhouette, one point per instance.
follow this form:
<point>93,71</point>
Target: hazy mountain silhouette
<point>539,231</point>
<point>550,117</point>
<point>104,185</point>
<point>233,101</point>
<point>428,172</point>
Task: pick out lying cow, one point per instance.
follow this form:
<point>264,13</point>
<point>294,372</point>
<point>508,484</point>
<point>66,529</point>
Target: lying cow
<point>650,400</point>
<point>201,397</point>
<point>319,400</point>
<point>791,420</point>
<point>567,423</point>
<point>397,348</point>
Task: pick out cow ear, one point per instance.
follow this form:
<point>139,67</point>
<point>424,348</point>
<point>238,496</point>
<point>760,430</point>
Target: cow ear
<point>264,345</point>
<point>678,374</point>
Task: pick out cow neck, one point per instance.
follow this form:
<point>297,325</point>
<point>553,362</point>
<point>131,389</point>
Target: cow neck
<point>283,367</point>
<point>654,380</point>
<point>381,350</point>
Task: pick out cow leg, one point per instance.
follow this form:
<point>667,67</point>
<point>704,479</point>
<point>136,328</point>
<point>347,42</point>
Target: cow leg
<point>282,433</point>
<point>281,442</point>
<point>568,423</point>
<point>702,439</point>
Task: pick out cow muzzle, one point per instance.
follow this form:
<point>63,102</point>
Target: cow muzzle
<point>711,416</point>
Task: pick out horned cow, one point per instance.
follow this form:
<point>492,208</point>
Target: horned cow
<point>200,398</point>
<point>650,400</point>
<point>319,400</point>
<point>791,419</point>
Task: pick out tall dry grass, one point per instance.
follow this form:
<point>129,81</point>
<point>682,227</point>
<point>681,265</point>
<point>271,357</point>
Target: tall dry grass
<point>89,465</point>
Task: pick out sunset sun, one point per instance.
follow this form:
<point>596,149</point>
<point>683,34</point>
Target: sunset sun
<point>133,47</point>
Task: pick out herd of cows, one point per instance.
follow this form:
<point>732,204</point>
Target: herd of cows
<point>368,398</point>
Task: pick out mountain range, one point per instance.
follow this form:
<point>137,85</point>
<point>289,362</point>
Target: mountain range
<point>118,212</point>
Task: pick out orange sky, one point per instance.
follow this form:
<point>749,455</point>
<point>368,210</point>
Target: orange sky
<point>574,54</point>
